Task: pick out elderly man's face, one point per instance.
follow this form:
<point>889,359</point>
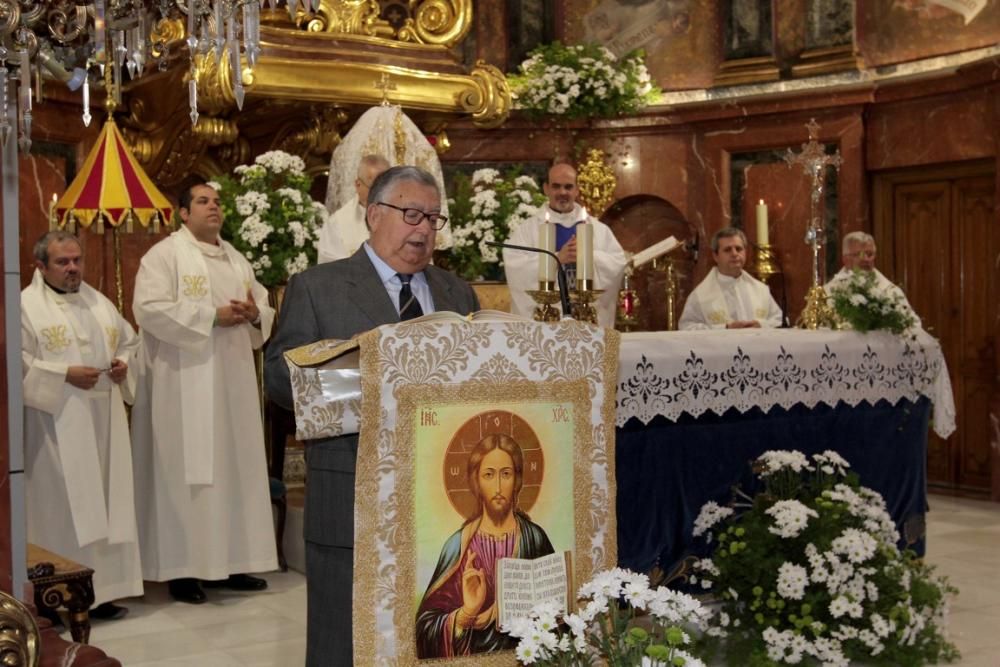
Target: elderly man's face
<point>363,183</point>
<point>860,256</point>
<point>64,270</point>
<point>406,248</point>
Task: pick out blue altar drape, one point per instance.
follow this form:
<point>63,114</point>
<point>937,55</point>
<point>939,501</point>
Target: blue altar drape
<point>667,470</point>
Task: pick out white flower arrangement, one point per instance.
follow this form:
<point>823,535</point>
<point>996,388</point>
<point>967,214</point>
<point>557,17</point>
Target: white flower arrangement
<point>863,305</point>
<point>270,216</point>
<point>810,573</point>
<point>487,208</point>
<point>604,630</point>
<point>580,81</point>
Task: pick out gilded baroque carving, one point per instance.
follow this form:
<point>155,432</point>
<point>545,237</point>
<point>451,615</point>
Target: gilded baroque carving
<point>597,182</point>
<point>19,636</point>
<point>489,101</point>
<point>215,84</point>
<point>353,17</point>
<point>319,134</point>
<point>444,22</point>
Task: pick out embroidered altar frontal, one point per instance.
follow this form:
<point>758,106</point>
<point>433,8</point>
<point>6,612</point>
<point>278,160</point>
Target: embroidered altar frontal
<point>479,441</point>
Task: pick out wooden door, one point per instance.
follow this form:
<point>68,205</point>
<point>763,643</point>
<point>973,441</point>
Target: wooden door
<point>938,238</point>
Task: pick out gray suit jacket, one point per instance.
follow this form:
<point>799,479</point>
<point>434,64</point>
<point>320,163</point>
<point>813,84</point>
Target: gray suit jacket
<point>338,300</point>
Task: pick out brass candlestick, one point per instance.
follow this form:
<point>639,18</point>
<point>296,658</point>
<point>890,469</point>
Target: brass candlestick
<point>765,265</point>
<point>546,296</point>
<point>583,299</point>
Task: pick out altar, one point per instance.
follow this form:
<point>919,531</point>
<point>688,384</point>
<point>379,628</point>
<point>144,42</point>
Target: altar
<point>693,409</point>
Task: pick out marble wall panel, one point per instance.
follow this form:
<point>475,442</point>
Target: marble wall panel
<point>945,128</point>
<point>890,32</point>
<point>682,38</point>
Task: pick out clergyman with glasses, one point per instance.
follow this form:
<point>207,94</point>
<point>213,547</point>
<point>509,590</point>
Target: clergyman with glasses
<point>389,279</point>
<point>345,231</point>
<point>858,253</point>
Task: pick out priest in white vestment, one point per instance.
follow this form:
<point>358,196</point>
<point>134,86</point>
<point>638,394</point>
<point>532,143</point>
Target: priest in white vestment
<point>521,267</point>
<point>729,297</point>
<point>346,230</point>
<point>204,508</point>
<point>76,351</point>
<point>858,253</point>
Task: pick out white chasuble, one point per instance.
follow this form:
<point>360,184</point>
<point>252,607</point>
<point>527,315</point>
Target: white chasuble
<point>197,431</point>
<point>721,299</point>
<point>521,268</point>
<point>78,463</point>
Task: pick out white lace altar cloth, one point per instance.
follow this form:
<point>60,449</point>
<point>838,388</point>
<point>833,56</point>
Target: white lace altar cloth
<point>678,372</point>
<point>695,372</point>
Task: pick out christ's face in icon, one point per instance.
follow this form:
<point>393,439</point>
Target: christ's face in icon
<point>496,484</point>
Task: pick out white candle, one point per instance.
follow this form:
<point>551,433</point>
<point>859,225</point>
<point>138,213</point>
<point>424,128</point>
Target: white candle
<point>584,252</point>
<point>546,241</point>
<point>761,223</point>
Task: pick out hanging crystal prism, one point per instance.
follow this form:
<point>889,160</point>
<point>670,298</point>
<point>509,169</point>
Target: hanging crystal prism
<point>234,61</point>
<point>292,6</point>
<point>192,38</point>
<point>24,140</point>
<point>220,38</point>
<point>4,110</point>
<point>251,32</point>
<point>86,102</point>
<point>193,98</point>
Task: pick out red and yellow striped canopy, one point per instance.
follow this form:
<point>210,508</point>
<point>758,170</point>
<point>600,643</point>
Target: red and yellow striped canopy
<point>111,185</point>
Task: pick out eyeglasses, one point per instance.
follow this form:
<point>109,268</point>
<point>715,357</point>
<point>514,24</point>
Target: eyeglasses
<point>414,216</point>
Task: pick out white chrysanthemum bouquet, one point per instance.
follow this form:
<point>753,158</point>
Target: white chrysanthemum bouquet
<point>621,622</point>
<point>582,81</point>
<point>270,216</point>
<point>864,306</point>
<point>809,572</point>
<point>487,208</point>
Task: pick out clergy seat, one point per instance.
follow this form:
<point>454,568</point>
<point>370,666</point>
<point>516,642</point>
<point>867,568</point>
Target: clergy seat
<point>62,584</point>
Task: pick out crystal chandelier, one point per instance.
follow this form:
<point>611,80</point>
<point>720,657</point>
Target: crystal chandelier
<point>114,41</point>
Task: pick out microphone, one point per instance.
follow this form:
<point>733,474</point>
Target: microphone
<point>567,309</point>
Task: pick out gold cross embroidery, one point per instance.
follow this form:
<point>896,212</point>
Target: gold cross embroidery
<point>56,339</point>
<point>194,286</point>
<point>112,333</point>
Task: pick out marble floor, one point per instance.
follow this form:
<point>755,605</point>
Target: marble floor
<point>268,629</point>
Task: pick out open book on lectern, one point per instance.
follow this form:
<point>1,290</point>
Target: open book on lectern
<point>654,251</point>
<point>334,353</point>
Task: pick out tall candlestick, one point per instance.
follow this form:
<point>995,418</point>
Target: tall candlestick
<point>762,223</point>
<point>546,241</point>
<point>584,252</point>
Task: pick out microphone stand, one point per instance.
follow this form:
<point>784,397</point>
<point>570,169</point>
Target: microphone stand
<point>567,309</point>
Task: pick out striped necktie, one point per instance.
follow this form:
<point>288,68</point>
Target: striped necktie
<point>409,307</point>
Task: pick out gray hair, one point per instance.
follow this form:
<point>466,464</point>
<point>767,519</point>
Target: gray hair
<point>725,233</point>
<point>389,178</point>
<point>373,162</point>
<point>858,238</point>
<point>41,249</point>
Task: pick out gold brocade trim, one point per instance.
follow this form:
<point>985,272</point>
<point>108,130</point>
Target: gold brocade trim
<point>609,409</point>
<point>56,338</point>
<point>400,137</point>
<point>366,486</point>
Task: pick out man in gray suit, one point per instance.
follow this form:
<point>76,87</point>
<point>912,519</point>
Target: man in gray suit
<point>386,281</point>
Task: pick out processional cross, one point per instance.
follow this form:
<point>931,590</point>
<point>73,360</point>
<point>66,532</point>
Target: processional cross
<point>813,158</point>
<point>385,86</point>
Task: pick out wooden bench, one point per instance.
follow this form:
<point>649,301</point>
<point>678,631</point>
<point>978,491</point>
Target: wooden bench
<point>62,584</point>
